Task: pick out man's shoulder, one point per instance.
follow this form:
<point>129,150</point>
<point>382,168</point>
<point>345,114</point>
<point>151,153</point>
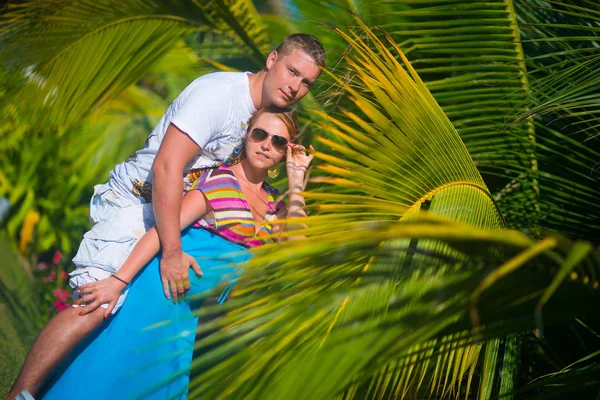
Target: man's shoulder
<point>222,81</point>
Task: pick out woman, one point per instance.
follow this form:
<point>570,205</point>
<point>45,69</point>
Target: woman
<point>145,350</point>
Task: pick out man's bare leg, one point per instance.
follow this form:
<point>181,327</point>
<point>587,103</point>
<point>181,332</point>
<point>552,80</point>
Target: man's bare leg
<point>60,335</point>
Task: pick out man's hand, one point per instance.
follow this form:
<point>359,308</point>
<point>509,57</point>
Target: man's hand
<point>92,295</point>
<point>174,270</point>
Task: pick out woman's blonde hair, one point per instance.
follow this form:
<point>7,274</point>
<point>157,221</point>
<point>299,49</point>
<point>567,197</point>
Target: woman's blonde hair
<point>288,117</point>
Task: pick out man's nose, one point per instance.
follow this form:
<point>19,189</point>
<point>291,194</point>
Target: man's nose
<point>295,85</point>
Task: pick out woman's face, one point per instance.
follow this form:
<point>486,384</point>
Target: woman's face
<point>262,154</point>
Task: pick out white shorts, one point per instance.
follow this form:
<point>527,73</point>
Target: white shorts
<point>117,224</point>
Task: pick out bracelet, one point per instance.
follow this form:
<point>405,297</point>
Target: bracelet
<point>119,279</point>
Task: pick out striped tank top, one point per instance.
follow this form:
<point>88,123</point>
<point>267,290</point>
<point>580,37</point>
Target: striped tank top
<point>231,217</point>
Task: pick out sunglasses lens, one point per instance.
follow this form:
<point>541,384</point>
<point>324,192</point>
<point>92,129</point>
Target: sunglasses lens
<point>279,143</point>
<point>258,135</point>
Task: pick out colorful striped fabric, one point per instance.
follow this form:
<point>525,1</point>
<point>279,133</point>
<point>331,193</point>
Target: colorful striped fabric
<point>231,217</point>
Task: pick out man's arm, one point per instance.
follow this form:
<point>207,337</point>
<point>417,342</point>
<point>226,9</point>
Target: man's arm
<point>194,206</point>
<point>176,151</point>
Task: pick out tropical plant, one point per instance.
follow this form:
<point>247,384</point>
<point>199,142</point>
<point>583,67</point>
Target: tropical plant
<point>78,87</point>
<point>400,292</point>
<point>19,314</point>
<point>361,307</point>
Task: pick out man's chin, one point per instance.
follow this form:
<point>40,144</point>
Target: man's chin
<point>282,103</point>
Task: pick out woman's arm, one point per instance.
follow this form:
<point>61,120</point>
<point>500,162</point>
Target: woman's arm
<point>194,206</point>
<point>296,165</point>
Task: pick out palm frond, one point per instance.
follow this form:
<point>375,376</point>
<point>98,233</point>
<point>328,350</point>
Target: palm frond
<point>100,48</point>
<point>297,320</point>
<point>561,38</point>
<point>406,156</point>
<point>559,43</point>
<point>569,184</point>
<point>470,57</point>
<point>323,317</point>
<point>240,21</point>
<point>77,61</point>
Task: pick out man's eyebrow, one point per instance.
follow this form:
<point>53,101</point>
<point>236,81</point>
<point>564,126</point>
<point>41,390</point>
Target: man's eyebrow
<point>296,72</point>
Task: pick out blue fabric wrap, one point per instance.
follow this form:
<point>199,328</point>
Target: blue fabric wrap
<point>145,350</point>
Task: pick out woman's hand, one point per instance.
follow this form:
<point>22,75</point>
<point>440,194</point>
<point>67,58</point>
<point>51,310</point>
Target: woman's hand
<point>296,165</point>
<point>92,295</point>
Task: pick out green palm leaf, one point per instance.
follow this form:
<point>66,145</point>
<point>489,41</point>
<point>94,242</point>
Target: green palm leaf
<point>559,39</point>
<point>469,55</point>
<point>398,291</point>
<point>563,37</point>
<point>310,320</point>
<point>405,155</point>
<point>76,61</point>
<point>97,49</point>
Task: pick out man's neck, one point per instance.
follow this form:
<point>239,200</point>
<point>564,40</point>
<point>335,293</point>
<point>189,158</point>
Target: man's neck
<point>256,87</point>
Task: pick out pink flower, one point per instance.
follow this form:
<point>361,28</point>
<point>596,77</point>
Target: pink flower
<point>59,305</point>
<point>64,275</point>
<point>60,294</point>
<point>42,266</point>
<point>51,277</point>
<point>57,257</point>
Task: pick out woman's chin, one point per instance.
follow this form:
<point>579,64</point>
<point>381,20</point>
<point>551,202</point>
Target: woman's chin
<point>261,164</point>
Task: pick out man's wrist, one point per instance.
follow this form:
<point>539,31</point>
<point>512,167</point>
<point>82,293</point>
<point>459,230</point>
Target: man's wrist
<point>171,251</point>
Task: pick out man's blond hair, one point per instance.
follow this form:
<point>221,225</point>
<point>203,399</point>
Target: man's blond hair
<point>305,42</point>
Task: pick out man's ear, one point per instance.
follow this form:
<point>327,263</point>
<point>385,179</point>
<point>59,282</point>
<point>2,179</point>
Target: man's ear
<point>271,59</point>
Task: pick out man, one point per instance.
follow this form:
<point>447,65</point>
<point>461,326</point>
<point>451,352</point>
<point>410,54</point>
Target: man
<point>200,129</point>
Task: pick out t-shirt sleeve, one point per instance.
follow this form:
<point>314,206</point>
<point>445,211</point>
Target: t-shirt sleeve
<point>203,111</point>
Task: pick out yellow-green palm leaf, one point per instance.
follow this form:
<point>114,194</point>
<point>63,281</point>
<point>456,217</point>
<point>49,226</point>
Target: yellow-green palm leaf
<point>77,56</point>
<point>397,155</point>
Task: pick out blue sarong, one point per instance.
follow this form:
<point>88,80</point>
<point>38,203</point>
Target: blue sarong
<point>145,350</point>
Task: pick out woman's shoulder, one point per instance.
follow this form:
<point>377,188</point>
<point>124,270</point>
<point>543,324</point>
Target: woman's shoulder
<point>218,176</point>
<point>222,171</point>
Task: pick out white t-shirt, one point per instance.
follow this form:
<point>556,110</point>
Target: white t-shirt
<point>213,111</point>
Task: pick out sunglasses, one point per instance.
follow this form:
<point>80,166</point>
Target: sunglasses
<point>279,143</point>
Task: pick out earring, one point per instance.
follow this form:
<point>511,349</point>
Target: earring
<point>273,172</point>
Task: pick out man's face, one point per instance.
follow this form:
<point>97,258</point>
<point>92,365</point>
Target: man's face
<point>288,78</point>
